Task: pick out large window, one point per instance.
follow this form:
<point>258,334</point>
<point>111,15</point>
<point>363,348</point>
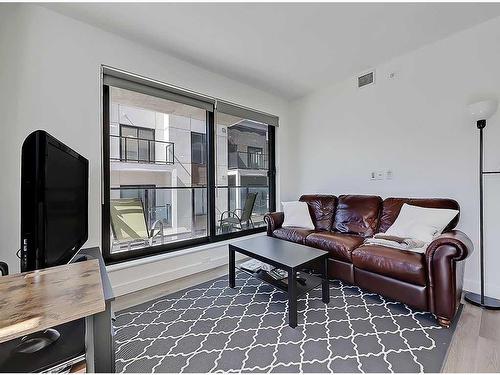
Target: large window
<point>177,172</point>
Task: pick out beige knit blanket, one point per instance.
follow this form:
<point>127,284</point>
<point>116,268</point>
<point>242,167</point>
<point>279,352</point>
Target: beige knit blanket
<point>400,243</point>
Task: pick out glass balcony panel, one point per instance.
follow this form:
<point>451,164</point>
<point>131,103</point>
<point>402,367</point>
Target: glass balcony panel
<point>143,150</point>
<point>240,207</point>
<point>152,216</point>
<point>131,149</point>
<point>247,160</point>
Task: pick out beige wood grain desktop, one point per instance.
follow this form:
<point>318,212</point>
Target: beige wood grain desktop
<point>37,300</point>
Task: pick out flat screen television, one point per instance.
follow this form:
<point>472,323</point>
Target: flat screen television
<point>54,202</point>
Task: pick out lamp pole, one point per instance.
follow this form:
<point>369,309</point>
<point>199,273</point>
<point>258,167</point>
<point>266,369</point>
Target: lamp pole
<point>480,299</point>
<point>480,125</point>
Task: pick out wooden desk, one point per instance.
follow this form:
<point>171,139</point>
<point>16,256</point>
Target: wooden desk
<point>34,301</point>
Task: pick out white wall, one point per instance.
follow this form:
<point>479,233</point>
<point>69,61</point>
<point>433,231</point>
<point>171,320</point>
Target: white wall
<point>49,79</point>
<point>417,126</point>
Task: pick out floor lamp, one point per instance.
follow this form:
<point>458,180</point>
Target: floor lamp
<point>480,112</point>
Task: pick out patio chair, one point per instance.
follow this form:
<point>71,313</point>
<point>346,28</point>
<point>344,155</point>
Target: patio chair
<point>128,223</point>
<point>233,219</point>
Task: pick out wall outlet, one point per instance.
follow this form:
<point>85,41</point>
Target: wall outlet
<point>389,175</point>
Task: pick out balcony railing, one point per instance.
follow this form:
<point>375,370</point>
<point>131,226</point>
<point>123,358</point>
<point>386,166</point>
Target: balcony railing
<point>247,160</point>
<point>182,210</point>
<point>236,196</point>
<point>141,150</point>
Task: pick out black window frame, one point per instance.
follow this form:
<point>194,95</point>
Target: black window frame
<point>212,235</point>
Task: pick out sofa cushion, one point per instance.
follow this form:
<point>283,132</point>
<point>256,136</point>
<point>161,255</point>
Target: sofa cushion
<point>357,214</point>
<point>403,265</point>
<point>292,234</point>
<point>392,206</point>
<point>422,223</point>
<point>339,245</point>
<point>322,209</point>
<point>297,215</point>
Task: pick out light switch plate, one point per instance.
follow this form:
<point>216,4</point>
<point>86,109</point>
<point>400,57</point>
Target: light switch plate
<point>377,175</point>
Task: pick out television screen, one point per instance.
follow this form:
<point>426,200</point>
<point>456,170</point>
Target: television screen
<point>65,204</point>
<point>54,202</point>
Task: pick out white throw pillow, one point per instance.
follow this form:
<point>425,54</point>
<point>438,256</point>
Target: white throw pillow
<point>297,215</point>
<point>421,223</point>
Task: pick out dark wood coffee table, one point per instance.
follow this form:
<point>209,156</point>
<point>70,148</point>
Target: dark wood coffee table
<point>290,257</point>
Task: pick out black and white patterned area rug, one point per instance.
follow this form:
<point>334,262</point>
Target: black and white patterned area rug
<point>213,328</point>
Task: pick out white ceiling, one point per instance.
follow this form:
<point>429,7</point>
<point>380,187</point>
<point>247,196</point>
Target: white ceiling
<point>289,49</point>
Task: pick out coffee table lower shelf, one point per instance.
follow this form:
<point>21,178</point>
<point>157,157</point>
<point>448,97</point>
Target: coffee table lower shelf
<point>311,283</point>
<point>290,257</point>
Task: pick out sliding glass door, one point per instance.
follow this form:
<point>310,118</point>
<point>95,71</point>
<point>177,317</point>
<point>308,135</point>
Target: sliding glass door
<point>243,173</point>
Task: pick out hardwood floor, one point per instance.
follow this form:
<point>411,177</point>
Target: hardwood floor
<point>475,346</point>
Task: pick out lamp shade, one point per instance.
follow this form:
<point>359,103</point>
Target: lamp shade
<point>483,110</point>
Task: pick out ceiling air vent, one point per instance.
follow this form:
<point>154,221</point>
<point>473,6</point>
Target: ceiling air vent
<point>366,79</point>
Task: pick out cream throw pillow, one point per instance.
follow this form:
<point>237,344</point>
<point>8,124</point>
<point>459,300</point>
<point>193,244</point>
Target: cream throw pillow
<point>421,223</point>
<point>297,215</point>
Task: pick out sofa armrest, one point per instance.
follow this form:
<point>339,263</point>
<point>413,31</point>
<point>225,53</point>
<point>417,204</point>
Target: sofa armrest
<point>445,272</point>
<point>274,221</point>
<point>458,240</point>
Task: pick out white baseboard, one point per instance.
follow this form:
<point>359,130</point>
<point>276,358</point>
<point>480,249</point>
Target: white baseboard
<point>132,299</point>
<point>491,290</point>
<point>133,276</point>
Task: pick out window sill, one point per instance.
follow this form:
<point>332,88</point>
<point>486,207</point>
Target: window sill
<point>160,257</point>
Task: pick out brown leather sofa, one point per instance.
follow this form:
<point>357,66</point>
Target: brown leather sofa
<point>430,282</point>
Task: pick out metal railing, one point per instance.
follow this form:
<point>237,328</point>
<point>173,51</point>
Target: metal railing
<point>247,160</point>
<point>157,201</point>
<point>236,196</point>
<point>180,211</point>
<point>183,210</point>
<point>141,150</point>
